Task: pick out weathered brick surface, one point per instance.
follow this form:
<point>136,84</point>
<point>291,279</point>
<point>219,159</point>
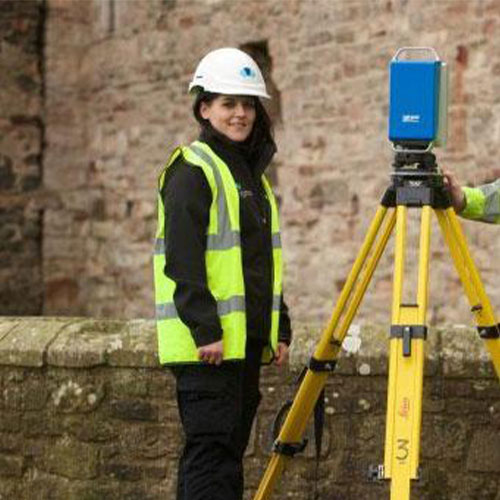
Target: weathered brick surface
<point>87,430</point>
<point>21,150</point>
<point>114,103</point>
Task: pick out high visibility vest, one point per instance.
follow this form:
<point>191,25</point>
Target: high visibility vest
<point>224,266</point>
<point>483,203</point>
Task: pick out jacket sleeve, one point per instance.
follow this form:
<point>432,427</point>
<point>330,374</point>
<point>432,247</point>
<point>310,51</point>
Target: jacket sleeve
<point>187,198</point>
<point>284,328</point>
<point>483,203</point>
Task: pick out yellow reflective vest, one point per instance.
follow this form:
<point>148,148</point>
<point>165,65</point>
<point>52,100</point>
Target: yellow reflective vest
<point>223,262</point>
<point>483,203</point>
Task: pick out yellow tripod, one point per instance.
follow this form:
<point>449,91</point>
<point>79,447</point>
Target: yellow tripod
<point>415,183</point>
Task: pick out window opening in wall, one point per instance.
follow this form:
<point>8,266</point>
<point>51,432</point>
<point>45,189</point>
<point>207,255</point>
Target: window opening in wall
<point>112,16</point>
<point>108,16</point>
<point>259,51</point>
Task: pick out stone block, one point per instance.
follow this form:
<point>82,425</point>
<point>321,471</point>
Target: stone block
<point>30,394</point>
<point>467,406</point>
<point>484,452</point>
<point>162,384</point>
<point>37,424</point>
<point>143,443</point>
<point>91,428</point>
<point>123,472</point>
<point>155,471</point>
<point>137,346</point>
<point>11,466</point>
<point>443,438</point>
<point>84,344</point>
<point>464,353</point>
<point>10,421</point>
<point>10,488</point>
<point>134,410</point>
<point>71,459</point>
<point>26,344</point>
<point>10,442</point>
<point>95,490</point>
<point>462,486</point>
<point>94,342</point>
<point>127,382</point>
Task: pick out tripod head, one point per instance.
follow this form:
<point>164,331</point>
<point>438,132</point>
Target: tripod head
<point>416,181</point>
<point>421,162</point>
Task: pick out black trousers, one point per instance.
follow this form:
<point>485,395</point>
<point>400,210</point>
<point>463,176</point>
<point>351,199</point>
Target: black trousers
<point>217,406</point>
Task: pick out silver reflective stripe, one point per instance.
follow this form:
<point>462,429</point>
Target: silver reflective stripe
<point>276,240</point>
<point>489,189</point>
<point>276,302</point>
<point>492,201</point>
<point>223,238</point>
<point>166,311</point>
<point>159,246</point>
<point>492,205</point>
<point>228,239</point>
<point>234,304</point>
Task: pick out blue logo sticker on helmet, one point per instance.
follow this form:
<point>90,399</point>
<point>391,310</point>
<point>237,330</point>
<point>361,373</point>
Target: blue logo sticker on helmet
<point>247,72</point>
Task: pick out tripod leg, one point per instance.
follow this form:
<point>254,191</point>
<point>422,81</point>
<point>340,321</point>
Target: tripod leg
<point>474,289</point>
<point>327,349</point>
<point>406,362</point>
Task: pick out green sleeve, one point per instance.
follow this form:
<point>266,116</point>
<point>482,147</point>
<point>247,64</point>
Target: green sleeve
<point>474,203</point>
<point>483,203</point>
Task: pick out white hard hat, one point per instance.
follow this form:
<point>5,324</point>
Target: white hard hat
<point>229,71</point>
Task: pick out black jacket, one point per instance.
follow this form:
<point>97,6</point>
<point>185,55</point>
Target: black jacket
<point>187,198</point>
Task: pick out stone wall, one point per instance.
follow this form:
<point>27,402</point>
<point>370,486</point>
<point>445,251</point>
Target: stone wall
<point>21,152</point>
<point>86,414</point>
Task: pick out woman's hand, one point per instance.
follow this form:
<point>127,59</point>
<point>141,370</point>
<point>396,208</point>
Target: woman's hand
<point>281,355</point>
<point>453,186</point>
<point>211,353</point>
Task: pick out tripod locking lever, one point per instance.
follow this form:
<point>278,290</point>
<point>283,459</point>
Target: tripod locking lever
<point>408,332</point>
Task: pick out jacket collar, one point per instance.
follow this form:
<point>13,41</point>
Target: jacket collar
<point>239,153</point>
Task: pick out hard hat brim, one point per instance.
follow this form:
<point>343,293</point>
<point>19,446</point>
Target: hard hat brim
<point>229,90</point>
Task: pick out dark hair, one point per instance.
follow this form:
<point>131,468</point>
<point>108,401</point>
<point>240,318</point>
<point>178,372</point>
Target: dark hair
<point>262,131</point>
<point>202,96</point>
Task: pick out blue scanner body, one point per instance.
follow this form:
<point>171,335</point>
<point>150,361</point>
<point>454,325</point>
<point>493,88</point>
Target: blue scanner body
<point>414,101</point>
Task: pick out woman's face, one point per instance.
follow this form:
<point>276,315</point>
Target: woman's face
<point>230,115</point>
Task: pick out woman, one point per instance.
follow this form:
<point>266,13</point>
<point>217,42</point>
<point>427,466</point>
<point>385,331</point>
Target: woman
<point>219,305</point>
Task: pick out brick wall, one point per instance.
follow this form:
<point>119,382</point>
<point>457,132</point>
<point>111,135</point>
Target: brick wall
<point>116,104</point>
<point>21,152</point>
<point>95,91</point>
<point>86,413</point>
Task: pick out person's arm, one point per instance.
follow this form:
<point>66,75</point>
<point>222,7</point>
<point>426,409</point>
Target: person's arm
<point>483,203</point>
<point>187,198</point>
<point>477,203</point>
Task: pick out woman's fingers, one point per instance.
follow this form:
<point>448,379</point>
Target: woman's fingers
<point>281,354</point>
<point>211,353</point>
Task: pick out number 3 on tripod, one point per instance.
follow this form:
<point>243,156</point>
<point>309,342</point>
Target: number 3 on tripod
<point>403,451</point>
